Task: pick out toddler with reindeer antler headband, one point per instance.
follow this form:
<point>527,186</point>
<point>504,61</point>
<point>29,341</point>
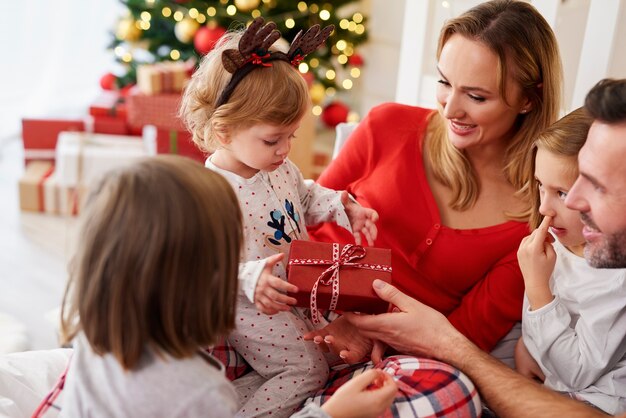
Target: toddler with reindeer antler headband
<point>244,104</point>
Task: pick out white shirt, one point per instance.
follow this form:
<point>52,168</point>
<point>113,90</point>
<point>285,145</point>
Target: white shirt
<point>160,386</point>
<point>579,339</point>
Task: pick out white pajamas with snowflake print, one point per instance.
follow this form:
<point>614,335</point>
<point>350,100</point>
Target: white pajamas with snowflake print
<point>276,208</point>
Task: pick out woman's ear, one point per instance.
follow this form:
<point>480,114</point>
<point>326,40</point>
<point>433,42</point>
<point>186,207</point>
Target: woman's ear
<point>526,106</point>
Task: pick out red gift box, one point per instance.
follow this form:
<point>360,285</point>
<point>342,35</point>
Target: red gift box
<point>109,125</point>
<point>109,114</point>
<point>40,136</point>
<point>178,142</point>
<point>109,104</point>
<point>338,277</point>
<point>160,110</point>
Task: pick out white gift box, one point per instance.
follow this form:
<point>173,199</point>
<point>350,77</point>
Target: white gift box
<point>82,158</point>
<point>51,195</point>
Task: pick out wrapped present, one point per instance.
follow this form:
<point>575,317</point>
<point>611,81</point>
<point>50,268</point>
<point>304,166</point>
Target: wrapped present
<point>162,77</point>
<point>109,125</point>
<point>108,114</point>
<point>338,277</point>
<point>51,195</point>
<point>109,104</point>
<point>62,200</point>
<point>173,142</point>
<point>83,157</point>
<point>40,136</point>
<point>160,110</point>
<point>31,185</point>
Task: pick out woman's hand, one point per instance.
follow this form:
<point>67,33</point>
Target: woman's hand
<point>343,339</point>
<point>269,294</point>
<point>363,220</point>
<point>525,364</point>
<point>536,259</point>
<point>366,395</point>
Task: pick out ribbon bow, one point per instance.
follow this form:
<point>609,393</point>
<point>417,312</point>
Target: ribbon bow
<point>260,59</point>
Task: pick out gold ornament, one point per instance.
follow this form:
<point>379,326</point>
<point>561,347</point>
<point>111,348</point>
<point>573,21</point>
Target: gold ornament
<point>186,29</point>
<point>317,92</point>
<point>127,30</point>
<point>247,5</point>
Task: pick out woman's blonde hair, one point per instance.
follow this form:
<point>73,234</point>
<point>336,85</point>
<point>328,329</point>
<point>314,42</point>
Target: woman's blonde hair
<point>528,53</point>
<point>564,138</point>
<point>275,95</point>
<point>157,262</point>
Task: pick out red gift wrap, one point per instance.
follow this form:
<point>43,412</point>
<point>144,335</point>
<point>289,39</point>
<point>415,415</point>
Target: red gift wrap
<point>109,104</point>
<point>338,277</point>
<point>40,136</point>
<point>109,114</point>
<point>160,110</point>
<point>178,142</point>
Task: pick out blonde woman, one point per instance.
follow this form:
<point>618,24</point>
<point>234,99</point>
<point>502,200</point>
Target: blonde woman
<point>444,181</point>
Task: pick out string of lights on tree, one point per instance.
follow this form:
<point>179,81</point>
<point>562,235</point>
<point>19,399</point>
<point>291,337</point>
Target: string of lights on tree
<point>172,30</point>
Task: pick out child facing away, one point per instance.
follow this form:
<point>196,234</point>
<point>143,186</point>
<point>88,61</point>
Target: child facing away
<point>245,103</point>
<point>574,317</point>
<point>153,281</point>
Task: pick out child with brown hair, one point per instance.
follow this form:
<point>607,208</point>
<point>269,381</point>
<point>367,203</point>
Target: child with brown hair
<point>244,104</point>
<point>153,281</point>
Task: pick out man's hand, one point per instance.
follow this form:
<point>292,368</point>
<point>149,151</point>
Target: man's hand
<point>413,328</point>
<point>269,294</point>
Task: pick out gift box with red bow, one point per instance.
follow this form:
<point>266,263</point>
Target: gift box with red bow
<point>338,277</point>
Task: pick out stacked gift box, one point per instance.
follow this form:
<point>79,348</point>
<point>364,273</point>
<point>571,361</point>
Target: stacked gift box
<point>163,77</point>
<point>81,158</point>
<point>116,127</point>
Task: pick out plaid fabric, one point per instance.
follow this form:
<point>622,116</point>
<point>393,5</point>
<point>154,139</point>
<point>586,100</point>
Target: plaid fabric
<point>236,366</point>
<point>426,388</point>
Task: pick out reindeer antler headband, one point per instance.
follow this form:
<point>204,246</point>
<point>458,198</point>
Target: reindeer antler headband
<point>253,51</point>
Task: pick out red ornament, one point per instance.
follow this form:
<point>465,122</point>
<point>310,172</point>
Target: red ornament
<point>334,114</point>
<point>355,60</point>
<point>206,37</point>
<point>108,82</point>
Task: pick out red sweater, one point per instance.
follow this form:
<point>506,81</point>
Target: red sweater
<point>470,275</point>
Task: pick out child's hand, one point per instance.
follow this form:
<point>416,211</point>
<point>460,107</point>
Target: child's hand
<point>343,339</point>
<point>526,364</point>
<point>366,395</point>
<point>536,260</point>
<point>363,220</point>
<point>269,294</point>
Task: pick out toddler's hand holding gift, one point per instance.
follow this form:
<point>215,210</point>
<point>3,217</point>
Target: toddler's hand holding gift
<point>363,220</point>
<point>269,294</point>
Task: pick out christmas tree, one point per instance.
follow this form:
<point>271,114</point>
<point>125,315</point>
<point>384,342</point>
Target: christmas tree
<point>172,30</point>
